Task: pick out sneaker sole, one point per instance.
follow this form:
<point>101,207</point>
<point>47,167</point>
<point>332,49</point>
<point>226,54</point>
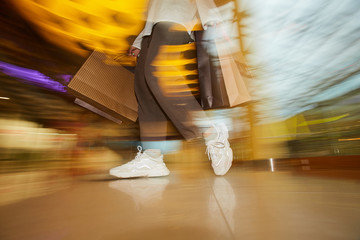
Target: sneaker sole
<point>162,173</point>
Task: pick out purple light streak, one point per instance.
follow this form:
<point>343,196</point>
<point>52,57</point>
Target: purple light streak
<point>31,76</point>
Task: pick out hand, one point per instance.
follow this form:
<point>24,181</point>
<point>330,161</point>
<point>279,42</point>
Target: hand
<point>134,52</point>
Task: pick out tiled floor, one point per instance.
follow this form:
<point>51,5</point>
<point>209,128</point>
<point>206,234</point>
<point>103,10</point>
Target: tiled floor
<point>192,203</point>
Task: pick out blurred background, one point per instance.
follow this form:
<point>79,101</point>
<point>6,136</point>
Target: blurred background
<point>303,66</point>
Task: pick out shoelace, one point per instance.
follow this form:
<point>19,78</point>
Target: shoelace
<point>138,156</point>
<point>139,153</point>
<point>211,146</point>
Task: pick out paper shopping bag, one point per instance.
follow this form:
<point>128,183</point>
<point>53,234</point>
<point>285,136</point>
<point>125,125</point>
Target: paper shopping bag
<point>236,89</point>
<point>221,81</point>
<point>104,88</point>
<point>211,83</point>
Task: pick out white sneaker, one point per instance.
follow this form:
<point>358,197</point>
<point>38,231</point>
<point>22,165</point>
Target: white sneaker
<point>219,150</point>
<point>142,166</point>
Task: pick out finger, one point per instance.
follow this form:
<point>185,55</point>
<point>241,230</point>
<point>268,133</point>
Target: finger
<point>135,53</point>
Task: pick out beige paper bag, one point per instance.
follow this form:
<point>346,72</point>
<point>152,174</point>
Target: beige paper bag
<point>106,87</point>
<point>235,85</point>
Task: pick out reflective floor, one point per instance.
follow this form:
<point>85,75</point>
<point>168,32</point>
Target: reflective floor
<point>191,203</point>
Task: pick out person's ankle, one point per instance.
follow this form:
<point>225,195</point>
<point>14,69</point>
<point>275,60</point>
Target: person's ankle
<point>154,153</point>
<point>210,134</point>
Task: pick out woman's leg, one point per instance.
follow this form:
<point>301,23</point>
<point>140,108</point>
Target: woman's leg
<point>152,119</point>
<point>177,104</point>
